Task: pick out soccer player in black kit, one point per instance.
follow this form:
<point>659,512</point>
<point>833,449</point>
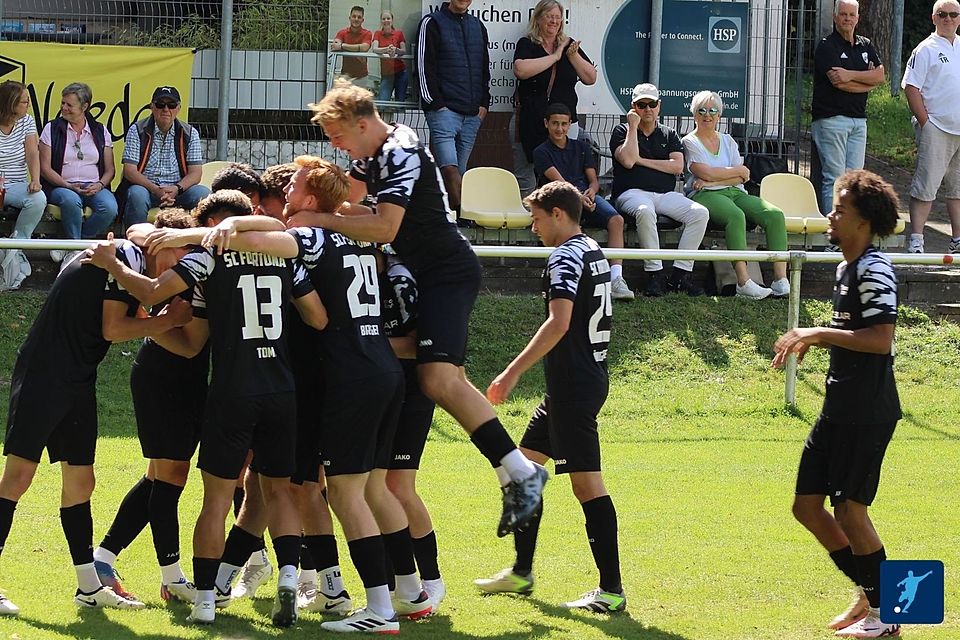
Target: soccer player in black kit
<point>573,341</point>
<point>844,451</point>
<point>412,214</point>
<point>250,401</point>
<point>53,402</point>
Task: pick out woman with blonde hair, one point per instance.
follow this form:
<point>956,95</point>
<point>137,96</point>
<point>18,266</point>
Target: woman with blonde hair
<point>716,175</point>
<point>548,65</point>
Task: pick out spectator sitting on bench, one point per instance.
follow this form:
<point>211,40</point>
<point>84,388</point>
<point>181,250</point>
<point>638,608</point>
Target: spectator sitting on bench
<point>716,179</point>
<point>565,160</point>
<point>648,158</point>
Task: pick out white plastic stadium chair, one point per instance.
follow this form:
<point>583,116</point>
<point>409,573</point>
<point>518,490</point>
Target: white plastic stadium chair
<point>490,196</point>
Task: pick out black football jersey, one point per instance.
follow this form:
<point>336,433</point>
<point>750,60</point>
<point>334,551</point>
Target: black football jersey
<point>156,358</point>
<point>398,296</point>
<point>576,369</point>
<point>404,173</point>
<point>344,274</point>
<point>66,340</point>
<point>861,388</point>
<point>244,293</point>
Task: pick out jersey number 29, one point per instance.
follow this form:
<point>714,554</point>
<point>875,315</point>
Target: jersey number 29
<point>365,278</point>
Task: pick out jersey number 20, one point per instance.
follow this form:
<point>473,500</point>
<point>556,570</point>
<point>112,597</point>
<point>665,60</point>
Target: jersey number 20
<point>254,310</point>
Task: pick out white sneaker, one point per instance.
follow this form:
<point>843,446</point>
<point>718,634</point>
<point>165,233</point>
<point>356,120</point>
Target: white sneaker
<point>421,607</point>
<point>437,592</point>
<point>252,578</point>
<point>751,289</point>
<point>856,612</point>
<point>363,621</point>
<point>104,597</point>
<point>915,243</point>
<point>506,582</point>
<point>619,290</point>
<point>56,255</point>
<point>181,590</point>
<point>309,598</point>
<point>204,612</point>
<point>870,627</point>
<point>780,288</point>
<point>7,608</point>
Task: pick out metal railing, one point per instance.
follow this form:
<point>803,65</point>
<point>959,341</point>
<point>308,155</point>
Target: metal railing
<point>796,259</point>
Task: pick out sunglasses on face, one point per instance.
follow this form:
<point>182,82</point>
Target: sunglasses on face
<point>76,147</point>
<point>646,105</point>
<point>702,111</point>
<point>950,14</point>
<point>166,105</point>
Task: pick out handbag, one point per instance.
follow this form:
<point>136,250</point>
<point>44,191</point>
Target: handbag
<point>761,165</point>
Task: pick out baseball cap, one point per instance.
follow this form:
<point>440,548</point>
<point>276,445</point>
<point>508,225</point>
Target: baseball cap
<point>166,92</point>
<point>645,90</point>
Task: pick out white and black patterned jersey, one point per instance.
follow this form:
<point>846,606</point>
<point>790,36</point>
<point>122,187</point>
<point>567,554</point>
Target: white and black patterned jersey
<point>576,369</point>
<point>243,298</point>
<point>861,386</point>
<point>344,274</point>
<point>404,173</point>
<point>66,340</point>
<point>398,296</point>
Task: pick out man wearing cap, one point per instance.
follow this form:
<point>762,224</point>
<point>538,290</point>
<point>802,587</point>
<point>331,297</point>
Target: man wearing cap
<point>649,157</point>
<point>162,163</point>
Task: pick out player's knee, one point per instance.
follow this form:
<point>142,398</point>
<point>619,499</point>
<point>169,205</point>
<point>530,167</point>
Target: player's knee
<point>402,490</point>
<point>436,386</point>
<point>16,481</point>
<point>587,487</point>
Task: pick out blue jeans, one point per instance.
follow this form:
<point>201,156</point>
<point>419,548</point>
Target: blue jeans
<point>140,201</point>
<point>452,136</point>
<point>394,85</point>
<point>600,216</point>
<point>71,205</point>
<point>842,144</point>
<point>31,207</point>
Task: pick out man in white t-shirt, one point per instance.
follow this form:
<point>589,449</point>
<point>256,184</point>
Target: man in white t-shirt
<point>932,85</point>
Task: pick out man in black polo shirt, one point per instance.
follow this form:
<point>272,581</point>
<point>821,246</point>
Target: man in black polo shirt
<point>53,402</point>
<point>573,342</point>
<point>649,157</point>
<point>846,68</point>
<point>845,449</point>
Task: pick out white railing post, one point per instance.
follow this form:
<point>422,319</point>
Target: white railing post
<point>793,321</point>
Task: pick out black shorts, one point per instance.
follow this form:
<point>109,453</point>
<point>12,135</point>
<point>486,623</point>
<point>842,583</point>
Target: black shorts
<point>44,413</point>
<point>232,426</point>
<point>416,416</point>
<point>310,389</point>
<point>358,423</point>
<point>447,293</point>
<point>566,432</point>
<point>169,410</point>
<point>843,460</point>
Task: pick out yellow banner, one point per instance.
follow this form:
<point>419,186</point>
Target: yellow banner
<point>122,79</point>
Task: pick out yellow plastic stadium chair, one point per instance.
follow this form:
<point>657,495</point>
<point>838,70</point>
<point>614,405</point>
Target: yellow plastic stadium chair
<point>792,194</point>
<point>901,225</point>
<point>816,225</point>
<point>490,196</point>
<point>794,224</point>
<point>209,170</point>
<point>54,212</point>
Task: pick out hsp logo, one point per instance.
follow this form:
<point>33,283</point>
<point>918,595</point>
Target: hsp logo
<point>723,35</point>
<point>911,591</point>
<point>11,69</point>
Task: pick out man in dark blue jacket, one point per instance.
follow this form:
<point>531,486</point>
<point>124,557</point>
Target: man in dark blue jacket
<point>454,70</point>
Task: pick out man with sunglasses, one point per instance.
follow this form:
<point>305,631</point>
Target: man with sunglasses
<point>846,68</point>
<point>162,161</point>
<point>649,157</point>
<point>932,85</point>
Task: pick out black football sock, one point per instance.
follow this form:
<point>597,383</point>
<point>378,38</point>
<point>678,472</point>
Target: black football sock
<point>843,558</point>
<point>388,568</point>
<point>132,517</point>
<point>601,524</point>
<point>77,523</point>
<point>425,551</point>
<point>493,441</point>
<point>399,548</point>
<point>323,551</point>
<point>369,558</point>
<point>287,549</point>
<point>868,570</point>
<point>7,508</point>
<point>525,542</point>
<point>165,521</point>
<point>306,558</point>
<point>240,544</point>
<point>205,573</point>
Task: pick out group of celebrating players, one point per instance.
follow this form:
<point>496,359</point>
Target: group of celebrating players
<point>377,330</point>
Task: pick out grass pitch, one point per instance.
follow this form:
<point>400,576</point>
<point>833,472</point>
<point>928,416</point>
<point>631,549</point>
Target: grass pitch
<point>699,456</point>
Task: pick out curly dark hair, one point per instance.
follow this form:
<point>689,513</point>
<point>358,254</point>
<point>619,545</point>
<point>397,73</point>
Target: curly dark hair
<point>276,178</point>
<point>561,195</point>
<point>222,204</point>
<point>240,177</point>
<point>175,218</point>
<point>873,198</point>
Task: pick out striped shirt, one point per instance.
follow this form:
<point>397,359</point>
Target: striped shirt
<point>161,166</point>
<point>13,156</point>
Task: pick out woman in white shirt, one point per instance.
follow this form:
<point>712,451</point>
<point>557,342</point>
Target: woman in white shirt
<point>18,154</point>
<point>716,175</point>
